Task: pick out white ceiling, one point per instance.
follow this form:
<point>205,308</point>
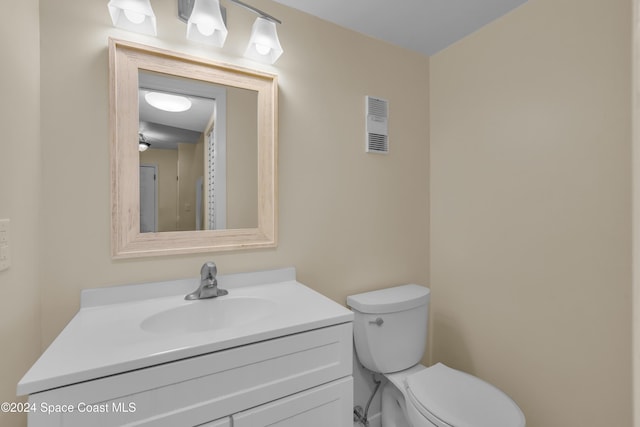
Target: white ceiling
<point>425,26</point>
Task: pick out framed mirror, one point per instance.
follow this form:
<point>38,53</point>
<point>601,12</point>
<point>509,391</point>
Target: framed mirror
<point>193,154</point>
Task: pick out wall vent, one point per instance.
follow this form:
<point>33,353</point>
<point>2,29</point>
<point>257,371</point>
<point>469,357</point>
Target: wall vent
<point>377,140</point>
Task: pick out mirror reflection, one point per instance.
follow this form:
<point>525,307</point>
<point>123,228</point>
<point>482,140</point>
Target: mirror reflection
<point>198,154</point>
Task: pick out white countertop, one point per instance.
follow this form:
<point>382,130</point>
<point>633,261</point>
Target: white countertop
<point>105,338</point>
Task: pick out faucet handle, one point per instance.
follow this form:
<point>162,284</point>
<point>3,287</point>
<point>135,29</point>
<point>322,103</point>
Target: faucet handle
<point>208,283</point>
<point>209,269</point>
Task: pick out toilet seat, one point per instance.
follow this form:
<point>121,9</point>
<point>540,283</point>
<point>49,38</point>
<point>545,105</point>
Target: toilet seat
<point>451,398</point>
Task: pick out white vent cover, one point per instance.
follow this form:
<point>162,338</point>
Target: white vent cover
<point>377,126</point>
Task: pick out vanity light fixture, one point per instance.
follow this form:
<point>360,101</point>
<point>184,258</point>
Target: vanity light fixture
<point>264,45</point>
<point>168,102</point>
<point>206,24</point>
<point>133,15</point>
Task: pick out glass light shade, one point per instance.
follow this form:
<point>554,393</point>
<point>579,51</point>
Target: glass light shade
<point>133,15</point>
<point>264,45</point>
<point>205,25</point>
<point>142,146</point>
<point>168,102</point>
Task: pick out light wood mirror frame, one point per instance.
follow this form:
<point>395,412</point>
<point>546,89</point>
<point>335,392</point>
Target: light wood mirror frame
<point>125,61</point>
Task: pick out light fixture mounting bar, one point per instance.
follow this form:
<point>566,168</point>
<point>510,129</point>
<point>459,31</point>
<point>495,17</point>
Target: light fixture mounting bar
<point>256,11</point>
<point>185,7</point>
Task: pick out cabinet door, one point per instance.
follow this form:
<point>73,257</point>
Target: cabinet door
<point>327,405</point>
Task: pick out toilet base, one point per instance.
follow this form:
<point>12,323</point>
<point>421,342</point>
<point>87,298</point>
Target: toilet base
<point>394,406</point>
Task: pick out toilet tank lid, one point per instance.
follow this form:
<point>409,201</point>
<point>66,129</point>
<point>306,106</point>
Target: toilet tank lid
<point>390,300</point>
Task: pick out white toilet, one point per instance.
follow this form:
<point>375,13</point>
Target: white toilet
<point>390,335</point>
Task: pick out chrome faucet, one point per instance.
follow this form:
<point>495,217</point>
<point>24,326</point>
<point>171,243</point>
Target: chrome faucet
<point>208,284</point>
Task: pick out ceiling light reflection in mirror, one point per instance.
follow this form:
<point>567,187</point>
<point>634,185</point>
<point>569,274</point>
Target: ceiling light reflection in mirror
<point>168,102</point>
<point>173,109</point>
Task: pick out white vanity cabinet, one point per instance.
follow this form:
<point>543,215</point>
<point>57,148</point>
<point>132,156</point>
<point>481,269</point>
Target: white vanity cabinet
<point>291,367</point>
<point>278,382</point>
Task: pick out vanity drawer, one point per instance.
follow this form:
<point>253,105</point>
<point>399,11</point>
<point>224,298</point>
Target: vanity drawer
<point>204,388</point>
<point>327,405</point>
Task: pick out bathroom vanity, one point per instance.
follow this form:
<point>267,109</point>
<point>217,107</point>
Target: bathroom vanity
<point>272,352</point>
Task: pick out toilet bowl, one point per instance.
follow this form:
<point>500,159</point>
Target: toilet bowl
<point>390,330</point>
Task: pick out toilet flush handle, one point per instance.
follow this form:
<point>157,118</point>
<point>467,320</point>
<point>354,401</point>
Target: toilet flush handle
<point>378,321</point>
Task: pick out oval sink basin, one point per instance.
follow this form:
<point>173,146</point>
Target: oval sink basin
<point>209,314</point>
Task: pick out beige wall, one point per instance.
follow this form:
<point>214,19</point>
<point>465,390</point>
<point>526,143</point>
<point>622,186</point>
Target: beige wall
<point>530,209</point>
<point>349,221</point>
<point>242,158</point>
<point>20,167</point>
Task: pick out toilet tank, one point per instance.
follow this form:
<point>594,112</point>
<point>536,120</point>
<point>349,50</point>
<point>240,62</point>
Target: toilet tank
<point>390,327</point>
